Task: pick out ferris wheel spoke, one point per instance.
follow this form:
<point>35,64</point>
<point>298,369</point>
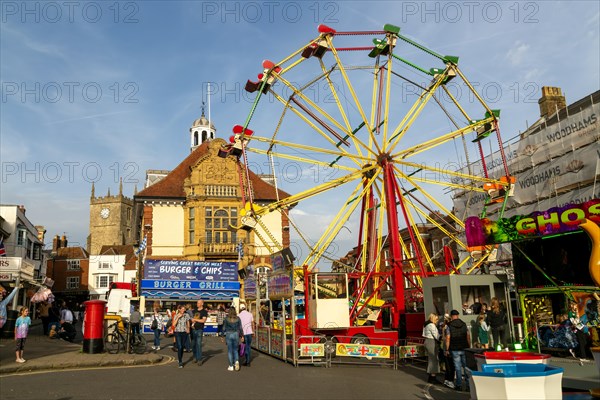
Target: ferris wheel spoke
<point>299,93</point>
<point>351,89</point>
<point>316,150</point>
<point>339,105</point>
<point>317,129</point>
<point>421,147</point>
<point>415,111</point>
<point>295,198</point>
<point>337,223</point>
<point>300,159</point>
<point>441,173</point>
<point>429,197</point>
<point>388,90</point>
<point>412,201</point>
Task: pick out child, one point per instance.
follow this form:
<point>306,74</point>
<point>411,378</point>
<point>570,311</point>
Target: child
<point>21,329</point>
<point>483,331</point>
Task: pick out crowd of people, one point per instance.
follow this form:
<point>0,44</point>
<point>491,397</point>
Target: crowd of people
<point>447,338</point>
<point>186,325</point>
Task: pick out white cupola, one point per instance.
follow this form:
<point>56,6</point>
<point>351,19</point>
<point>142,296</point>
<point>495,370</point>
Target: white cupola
<point>201,131</point>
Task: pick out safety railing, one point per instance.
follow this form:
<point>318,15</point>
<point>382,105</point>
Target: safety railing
<point>344,350</point>
<point>311,350</point>
<point>412,350</point>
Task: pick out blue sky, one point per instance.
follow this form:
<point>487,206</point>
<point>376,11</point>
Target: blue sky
<point>98,91</point>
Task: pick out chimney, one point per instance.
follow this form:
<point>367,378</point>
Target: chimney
<point>55,244</point>
<point>63,241</point>
<point>41,232</point>
<point>22,209</point>
<point>551,101</point>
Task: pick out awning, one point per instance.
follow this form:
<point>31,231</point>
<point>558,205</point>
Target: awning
<point>191,295</point>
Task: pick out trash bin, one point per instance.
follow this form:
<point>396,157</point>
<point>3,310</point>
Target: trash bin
<point>93,326</point>
<point>503,357</point>
<point>516,381</point>
<point>8,330</point>
<point>470,355</point>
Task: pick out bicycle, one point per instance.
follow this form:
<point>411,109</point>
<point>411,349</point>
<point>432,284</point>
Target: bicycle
<point>116,339</point>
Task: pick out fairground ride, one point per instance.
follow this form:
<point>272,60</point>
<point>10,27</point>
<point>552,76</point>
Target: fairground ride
<point>388,137</point>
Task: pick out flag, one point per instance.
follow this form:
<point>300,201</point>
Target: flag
<point>2,249</point>
<point>240,250</point>
<point>142,246</point>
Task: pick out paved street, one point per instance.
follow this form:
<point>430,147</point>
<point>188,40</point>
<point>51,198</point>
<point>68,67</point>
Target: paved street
<point>268,378</point>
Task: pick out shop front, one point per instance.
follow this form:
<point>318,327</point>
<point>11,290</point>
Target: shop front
<point>556,266</point>
<point>169,283</point>
<point>16,272</point>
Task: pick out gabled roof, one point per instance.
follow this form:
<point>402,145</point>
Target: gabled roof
<point>75,252</point>
<point>171,186</point>
<point>124,249</point>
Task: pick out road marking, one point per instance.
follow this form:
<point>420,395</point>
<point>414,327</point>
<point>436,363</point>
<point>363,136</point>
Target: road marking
<point>166,360</point>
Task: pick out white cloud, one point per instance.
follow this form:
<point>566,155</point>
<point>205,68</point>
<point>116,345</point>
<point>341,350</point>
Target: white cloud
<point>517,53</point>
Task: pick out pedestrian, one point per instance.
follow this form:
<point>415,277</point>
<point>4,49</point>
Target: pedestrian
<point>188,339</point>
<point>457,340</point>
<point>444,356</point>
<point>67,330</point>
<point>21,329</point>
<point>181,322</point>
<point>157,327</point>
<point>221,314</point>
<point>497,321</point>
<point>580,330</point>
<point>44,313</point>
<point>6,298</point>
<point>482,331</point>
<point>432,336</point>
<point>170,329</point>
<point>135,319</point>
<point>247,321</point>
<point>232,326</point>
<point>198,321</point>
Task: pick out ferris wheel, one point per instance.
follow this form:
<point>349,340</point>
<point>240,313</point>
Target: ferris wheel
<point>383,131</point>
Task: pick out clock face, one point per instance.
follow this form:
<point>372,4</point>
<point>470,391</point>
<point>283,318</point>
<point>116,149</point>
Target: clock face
<point>104,213</point>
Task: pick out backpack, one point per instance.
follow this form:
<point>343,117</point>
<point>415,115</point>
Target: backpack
<point>154,324</point>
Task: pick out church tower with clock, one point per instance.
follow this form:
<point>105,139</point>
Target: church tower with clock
<point>111,220</point>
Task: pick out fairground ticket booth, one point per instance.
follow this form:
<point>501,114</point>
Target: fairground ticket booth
<point>556,259</point>
<point>270,298</point>
<point>169,283</point>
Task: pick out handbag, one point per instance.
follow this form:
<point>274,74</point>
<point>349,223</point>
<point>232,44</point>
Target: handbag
<point>154,324</point>
<point>242,349</point>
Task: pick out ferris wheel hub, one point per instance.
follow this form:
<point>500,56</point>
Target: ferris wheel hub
<point>384,158</point>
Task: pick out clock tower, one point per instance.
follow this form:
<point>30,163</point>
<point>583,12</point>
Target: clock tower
<point>111,220</point>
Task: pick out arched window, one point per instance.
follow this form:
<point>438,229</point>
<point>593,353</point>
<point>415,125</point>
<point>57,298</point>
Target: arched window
<point>204,136</point>
<point>217,221</point>
<point>196,138</point>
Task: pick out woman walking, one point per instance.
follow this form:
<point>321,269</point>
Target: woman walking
<point>232,326</point>
<point>432,336</point>
<point>181,322</point>
<point>157,328</point>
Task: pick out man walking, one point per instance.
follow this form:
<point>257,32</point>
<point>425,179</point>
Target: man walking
<point>200,316</point>
<point>457,340</point>
<point>247,323</point>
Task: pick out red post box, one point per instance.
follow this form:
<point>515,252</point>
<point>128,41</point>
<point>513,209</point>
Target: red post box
<point>93,326</point>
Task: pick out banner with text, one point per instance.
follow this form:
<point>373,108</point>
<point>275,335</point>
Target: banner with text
<point>190,270</point>
<point>555,220</point>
